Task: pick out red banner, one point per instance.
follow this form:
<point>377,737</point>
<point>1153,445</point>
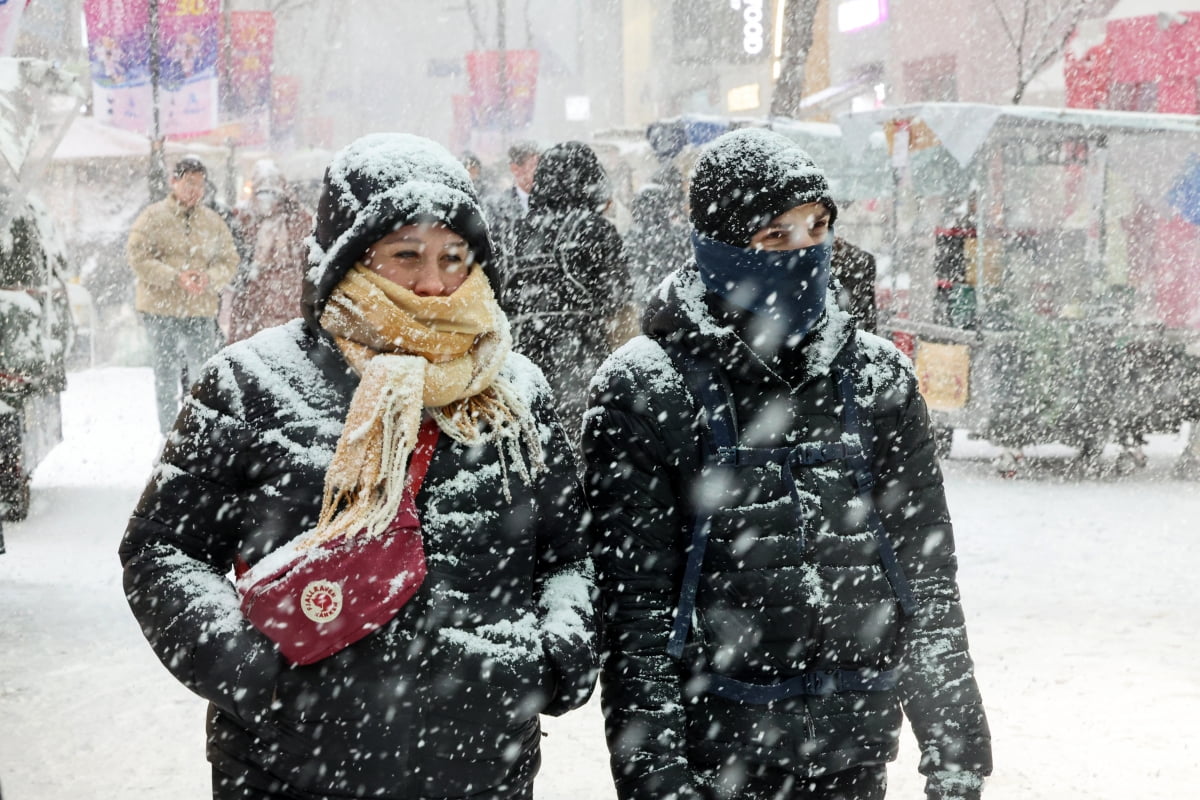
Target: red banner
<point>246,98</point>
<point>491,105</point>
<point>285,106</point>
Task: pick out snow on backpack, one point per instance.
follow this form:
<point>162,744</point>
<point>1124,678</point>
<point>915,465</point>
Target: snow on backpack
<point>721,451</point>
<point>329,596</point>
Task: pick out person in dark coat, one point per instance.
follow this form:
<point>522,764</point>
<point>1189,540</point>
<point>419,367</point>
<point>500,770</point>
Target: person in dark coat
<point>300,436</point>
<point>854,270</point>
<point>569,278</point>
<point>776,558</point>
<point>657,241</point>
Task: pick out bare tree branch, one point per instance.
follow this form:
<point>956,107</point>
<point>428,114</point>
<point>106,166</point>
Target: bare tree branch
<point>1046,27</point>
<point>476,26</point>
<point>1004,24</point>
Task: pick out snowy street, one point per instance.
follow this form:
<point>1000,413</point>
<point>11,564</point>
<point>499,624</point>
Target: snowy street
<point>1080,600</point>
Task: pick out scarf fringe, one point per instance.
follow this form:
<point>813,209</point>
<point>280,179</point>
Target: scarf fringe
<point>506,420</point>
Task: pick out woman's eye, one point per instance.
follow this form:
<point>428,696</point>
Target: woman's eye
<point>406,254</point>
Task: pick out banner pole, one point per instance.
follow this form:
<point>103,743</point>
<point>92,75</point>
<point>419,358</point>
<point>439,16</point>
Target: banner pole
<point>158,167</point>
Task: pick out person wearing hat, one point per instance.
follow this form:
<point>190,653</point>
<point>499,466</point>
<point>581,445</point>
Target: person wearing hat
<point>182,255</point>
<point>395,405</point>
<point>568,279</point>
<point>775,555</point>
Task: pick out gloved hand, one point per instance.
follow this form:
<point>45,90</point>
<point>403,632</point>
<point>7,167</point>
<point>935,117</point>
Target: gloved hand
<point>953,785</point>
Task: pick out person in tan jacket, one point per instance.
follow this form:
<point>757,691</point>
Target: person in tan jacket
<point>182,255</point>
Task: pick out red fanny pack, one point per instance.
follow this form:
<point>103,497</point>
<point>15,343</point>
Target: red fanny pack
<point>334,594</point>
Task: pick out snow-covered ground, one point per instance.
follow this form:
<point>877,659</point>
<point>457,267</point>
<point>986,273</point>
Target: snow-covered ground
<point>1079,595</point>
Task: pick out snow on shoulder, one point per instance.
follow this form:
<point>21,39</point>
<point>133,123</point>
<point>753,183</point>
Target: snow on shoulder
<point>641,361</point>
<point>526,379</point>
<point>273,362</point>
<point>884,367</point>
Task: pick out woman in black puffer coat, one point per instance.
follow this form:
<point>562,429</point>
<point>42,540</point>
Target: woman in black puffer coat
<point>443,700</point>
<point>811,628</point>
<point>569,276</point>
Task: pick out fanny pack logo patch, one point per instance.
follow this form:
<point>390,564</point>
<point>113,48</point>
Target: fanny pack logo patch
<point>321,601</point>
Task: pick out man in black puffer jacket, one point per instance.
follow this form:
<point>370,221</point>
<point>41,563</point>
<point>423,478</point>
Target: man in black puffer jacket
<point>569,275</point>
<point>443,700</point>
<point>776,558</point>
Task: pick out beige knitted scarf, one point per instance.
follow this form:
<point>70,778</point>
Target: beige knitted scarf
<point>441,354</point>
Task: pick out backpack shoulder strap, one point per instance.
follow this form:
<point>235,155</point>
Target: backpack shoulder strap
<point>718,446</point>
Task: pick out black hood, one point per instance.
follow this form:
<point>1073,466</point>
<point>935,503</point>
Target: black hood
<point>569,176</point>
<point>376,184</point>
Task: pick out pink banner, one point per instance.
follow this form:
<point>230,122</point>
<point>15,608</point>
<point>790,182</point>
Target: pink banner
<point>188,39</point>
<point>512,105</point>
<point>119,51</point>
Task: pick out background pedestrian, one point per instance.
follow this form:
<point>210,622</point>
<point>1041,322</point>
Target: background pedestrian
<point>182,255</point>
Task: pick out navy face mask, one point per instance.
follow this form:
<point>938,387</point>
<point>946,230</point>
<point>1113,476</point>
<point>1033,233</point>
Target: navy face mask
<point>787,286</point>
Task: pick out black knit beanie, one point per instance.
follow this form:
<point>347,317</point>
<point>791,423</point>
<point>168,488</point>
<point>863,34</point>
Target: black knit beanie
<point>745,178</point>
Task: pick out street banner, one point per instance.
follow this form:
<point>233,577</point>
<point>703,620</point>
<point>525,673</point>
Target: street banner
<point>119,51</point>
<point>492,106</point>
<point>189,34</point>
<point>246,98</point>
<point>285,106</point>
<point>943,374</point>
<point>10,21</point>
<point>118,33</point>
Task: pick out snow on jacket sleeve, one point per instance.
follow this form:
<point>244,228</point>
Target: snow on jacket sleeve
<point>180,545</point>
<point>640,563</point>
<point>937,682</point>
<point>565,580</point>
